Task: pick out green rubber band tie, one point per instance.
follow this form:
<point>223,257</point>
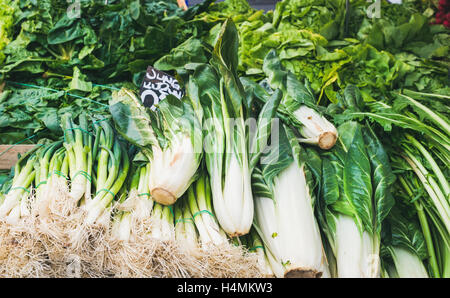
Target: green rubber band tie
<point>78,128</point>
<point>20,142</point>
<point>20,187</point>
<point>33,86</point>
<point>107,190</point>
<point>256,247</point>
<point>171,210</point>
<point>107,87</point>
<point>65,92</point>
<point>57,173</point>
<point>202,211</point>
<point>40,183</point>
<point>184,220</point>
<point>88,99</point>
<point>144,194</point>
<point>98,121</point>
<point>84,174</point>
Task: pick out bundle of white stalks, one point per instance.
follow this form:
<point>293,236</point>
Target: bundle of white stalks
<point>162,221</point>
<point>53,192</point>
<point>78,144</point>
<point>185,231</point>
<point>200,204</point>
<point>135,209</point>
<point>16,204</point>
<point>99,208</point>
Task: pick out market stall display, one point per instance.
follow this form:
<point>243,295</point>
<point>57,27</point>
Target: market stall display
<point>312,140</point>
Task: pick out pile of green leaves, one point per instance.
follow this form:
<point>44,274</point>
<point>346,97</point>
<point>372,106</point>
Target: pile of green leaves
<point>30,112</point>
<point>61,58</point>
<point>112,41</point>
<point>6,23</point>
<point>331,47</point>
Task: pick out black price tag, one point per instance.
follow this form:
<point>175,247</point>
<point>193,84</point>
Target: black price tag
<point>156,86</point>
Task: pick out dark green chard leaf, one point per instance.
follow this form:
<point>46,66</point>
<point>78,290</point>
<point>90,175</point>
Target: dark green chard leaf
<point>131,118</point>
<point>264,127</point>
<point>382,177</point>
<point>278,158</point>
<point>357,180</point>
<point>407,234</point>
<point>225,60</point>
<point>190,51</point>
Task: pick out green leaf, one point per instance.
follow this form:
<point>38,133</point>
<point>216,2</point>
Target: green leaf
<point>382,177</point>
<point>131,118</point>
<point>357,180</point>
<point>79,81</point>
<point>264,127</point>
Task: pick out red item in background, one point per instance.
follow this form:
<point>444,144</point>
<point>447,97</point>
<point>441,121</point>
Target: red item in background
<point>443,13</point>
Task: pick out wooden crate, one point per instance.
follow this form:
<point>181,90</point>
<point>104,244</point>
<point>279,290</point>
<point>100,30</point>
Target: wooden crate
<point>10,156</point>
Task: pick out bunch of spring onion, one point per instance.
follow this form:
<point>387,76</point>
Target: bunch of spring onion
<point>16,203</point>
<point>51,178</point>
<point>185,229</point>
<point>171,138</point>
<point>110,169</point>
<point>78,143</point>
<point>252,241</point>
<point>199,203</point>
<point>136,204</point>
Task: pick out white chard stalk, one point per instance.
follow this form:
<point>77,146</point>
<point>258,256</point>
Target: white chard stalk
<point>407,264</point>
<point>316,129</point>
<point>237,199</point>
<point>289,227</point>
<point>354,255</point>
<point>172,169</point>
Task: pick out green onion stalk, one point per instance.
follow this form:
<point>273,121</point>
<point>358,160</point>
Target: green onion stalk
<point>16,202</point>
<point>136,205</point>
<point>162,221</point>
<point>56,183</point>
<point>102,152</point>
<point>121,225</point>
<point>256,246</point>
<point>200,205</point>
<point>77,142</point>
<point>100,207</point>
<point>185,231</point>
<point>45,159</point>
